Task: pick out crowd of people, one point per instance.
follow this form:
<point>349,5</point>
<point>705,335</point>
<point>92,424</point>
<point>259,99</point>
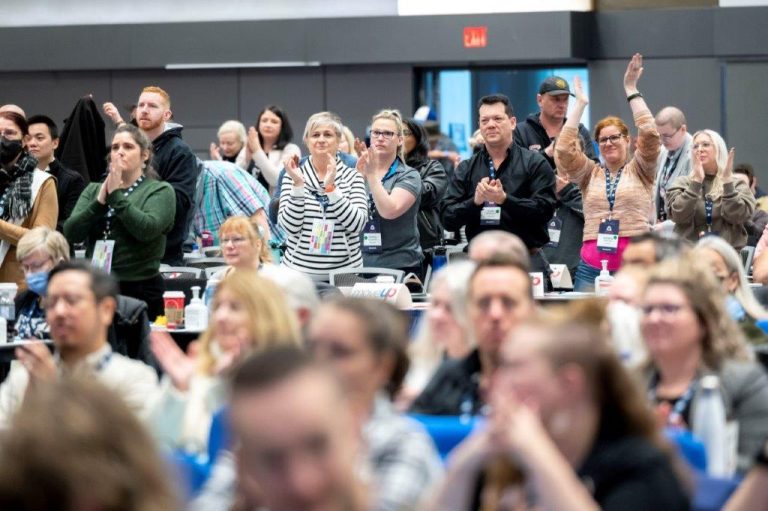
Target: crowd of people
<point>321,392</point>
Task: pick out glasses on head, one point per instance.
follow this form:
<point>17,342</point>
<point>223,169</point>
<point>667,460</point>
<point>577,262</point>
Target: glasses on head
<point>613,139</point>
<point>669,137</point>
<point>385,134</point>
<point>665,309</point>
<point>237,240</point>
<point>10,133</point>
<point>702,145</point>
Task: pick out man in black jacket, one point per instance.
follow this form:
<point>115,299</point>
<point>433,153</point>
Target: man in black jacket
<point>538,133</point>
<point>500,298</point>
<point>172,159</point>
<point>44,139</point>
<point>503,186</point>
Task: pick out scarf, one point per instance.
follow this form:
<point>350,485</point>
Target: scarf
<point>17,192</point>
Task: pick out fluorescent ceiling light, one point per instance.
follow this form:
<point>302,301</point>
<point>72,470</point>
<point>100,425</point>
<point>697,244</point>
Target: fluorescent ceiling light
<point>231,65</point>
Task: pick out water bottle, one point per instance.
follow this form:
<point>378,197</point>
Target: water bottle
<point>210,289</point>
<point>709,425</point>
<point>439,258</point>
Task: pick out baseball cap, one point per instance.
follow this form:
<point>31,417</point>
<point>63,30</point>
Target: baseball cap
<point>554,85</point>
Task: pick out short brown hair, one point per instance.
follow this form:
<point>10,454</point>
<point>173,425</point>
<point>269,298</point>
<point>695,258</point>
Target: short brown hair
<point>501,260</point>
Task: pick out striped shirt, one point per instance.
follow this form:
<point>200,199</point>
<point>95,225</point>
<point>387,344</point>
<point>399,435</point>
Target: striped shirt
<point>300,207</point>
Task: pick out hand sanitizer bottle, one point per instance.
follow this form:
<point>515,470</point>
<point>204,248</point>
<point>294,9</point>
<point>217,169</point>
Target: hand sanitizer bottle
<point>196,313</point>
<point>604,280</point>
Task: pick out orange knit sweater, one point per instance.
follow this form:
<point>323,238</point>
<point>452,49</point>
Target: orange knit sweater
<point>634,195</point>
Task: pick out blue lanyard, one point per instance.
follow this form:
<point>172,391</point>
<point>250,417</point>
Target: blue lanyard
<point>321,199</point>
<point>676,415</point>
<point>491,167</point>
<point>111,210</point>
<point>708,207</point>
<point>611,187</point>
<point>390,173</point>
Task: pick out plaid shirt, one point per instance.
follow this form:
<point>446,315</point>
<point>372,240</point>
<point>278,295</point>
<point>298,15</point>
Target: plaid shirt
<point>225,190</point>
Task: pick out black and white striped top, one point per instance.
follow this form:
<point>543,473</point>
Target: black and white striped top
<point>300,207</point>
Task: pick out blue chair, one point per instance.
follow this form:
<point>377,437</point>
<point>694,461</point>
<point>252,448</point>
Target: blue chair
<point>712,492</point>
<point>447,431</point>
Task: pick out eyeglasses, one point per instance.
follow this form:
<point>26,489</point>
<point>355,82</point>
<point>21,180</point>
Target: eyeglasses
<point>613,139</point>
<point>665,309</point>
<point>702,145</point>
<point>234,241</point>
<point>386,135</point>
<point>70,300</point>
<point>669,137</point>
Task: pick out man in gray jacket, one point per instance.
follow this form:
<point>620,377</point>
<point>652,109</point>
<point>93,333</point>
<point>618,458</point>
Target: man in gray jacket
<point>675,157</point>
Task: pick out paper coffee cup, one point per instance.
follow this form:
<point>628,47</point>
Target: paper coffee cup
<point>174,306</point>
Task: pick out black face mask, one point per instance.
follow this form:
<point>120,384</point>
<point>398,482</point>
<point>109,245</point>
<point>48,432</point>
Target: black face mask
<point>9,150</point>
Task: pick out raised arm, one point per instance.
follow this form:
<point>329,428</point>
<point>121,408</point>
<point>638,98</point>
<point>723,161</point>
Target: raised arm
<point>648,141</point>
<point>569,155</point>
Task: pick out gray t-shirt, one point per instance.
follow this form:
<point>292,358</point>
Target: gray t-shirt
<point>400,246</point>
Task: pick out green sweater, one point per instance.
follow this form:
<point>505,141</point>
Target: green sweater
<point>139,226</point>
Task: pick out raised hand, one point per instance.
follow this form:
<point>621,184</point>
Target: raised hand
<point>633,73</point>
<point>697,169</point>
<point>253,144</point>
<point>360,147</point>
<point>111,111</point>
<point>292,169</point>
<point>215,153</point>
<point>727,175</point>
<point>178,366</point>
<point>578,91</point>
<point>114,180</point>
<point>364,165</point>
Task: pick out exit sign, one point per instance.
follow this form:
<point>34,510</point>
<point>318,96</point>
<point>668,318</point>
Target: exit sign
<point>475,37</point>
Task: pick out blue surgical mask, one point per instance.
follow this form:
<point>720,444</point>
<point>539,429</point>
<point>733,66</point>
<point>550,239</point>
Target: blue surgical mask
<point>734,308</point>
<point>37,282</point>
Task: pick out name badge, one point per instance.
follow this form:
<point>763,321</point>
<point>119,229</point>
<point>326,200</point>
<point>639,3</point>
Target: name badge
<point>372,237</point>
<point>102,255</point>
<point>490,214</point>
<point>554,227</point>
<point>608,236</point>
<point>322,237</point>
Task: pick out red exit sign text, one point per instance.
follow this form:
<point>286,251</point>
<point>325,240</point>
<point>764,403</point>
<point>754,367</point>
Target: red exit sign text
<point>475,37</point>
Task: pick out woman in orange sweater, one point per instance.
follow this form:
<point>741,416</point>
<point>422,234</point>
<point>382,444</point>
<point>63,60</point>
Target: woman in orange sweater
<point>617,194</point>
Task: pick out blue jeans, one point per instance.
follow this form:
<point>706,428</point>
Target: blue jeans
<point>584,280</point>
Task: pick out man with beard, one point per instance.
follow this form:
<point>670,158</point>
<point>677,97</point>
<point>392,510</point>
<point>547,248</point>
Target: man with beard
<point>172,158</point>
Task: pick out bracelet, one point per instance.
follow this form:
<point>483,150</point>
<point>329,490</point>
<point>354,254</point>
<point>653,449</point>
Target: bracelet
<point>633,96</point>
<point>330,188</point>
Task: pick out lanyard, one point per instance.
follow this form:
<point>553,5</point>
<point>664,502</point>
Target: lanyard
<point>4,199</point>
<point>491,167</point>
<point>611,187</point>
<point>111,210</point>
<point>708,207</point>
<point>390,173</point>
<point>669,165</point>
<point>676,415</point>
<point>322,199</point>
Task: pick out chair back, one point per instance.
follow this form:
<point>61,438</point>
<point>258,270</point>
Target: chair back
<point>348,277</point>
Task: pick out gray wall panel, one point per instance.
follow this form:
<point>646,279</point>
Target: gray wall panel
<point>53,94</point>
<point>746,85</point>
<point>693,85</point>
<point>356,93</point>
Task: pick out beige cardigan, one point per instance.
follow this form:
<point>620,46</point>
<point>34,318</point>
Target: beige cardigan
<point>634,195</point>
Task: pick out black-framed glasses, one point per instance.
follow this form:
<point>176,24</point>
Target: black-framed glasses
<point>613,139</point>
<point>669,137</point>
<point>385,134</point>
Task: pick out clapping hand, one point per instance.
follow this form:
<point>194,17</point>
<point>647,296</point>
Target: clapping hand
<point>697,170</point>
<point>727,175</point>
<point>177,365</point>
<point>215,153</point>
<point>292,169</point>
<point>330,172</point>
<point>363,166</point>
<point>495,192</point>
<point>633,73</point>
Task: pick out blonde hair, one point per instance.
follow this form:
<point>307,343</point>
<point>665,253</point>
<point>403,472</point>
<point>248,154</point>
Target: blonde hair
<point>350,138</point>
<point>394,116</point>
<point>43,238</point>
<point>235,127</point>
<point>244,226</point>
<point>721,159</point>
<point>323,119</point>
<point>272,322</point>
<point>732,261</point>
<point>99,453</point>
<point>723,338</point>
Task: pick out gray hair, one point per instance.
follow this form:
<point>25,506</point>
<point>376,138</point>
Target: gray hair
<point>235,127</point>
<point>323,119</point>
